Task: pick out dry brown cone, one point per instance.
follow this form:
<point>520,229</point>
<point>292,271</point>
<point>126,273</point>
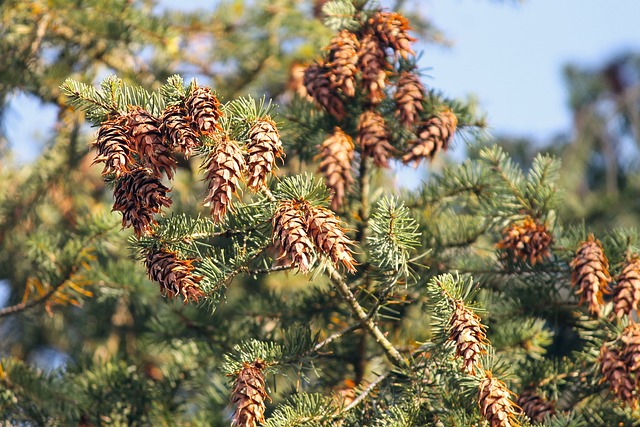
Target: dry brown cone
<point>434,136</point>
<point>149,143</point>
<point>616,372</point>
<point>534,406</point>
<point>114,147</point>
<point>224,167</point>
<point>140,196</point>
<point>176,127</point>
<point>324,229</point>
<point>631,351</point>
<point>409,95</point>
<point>392,30</point>
<point>174,275</point>
<point>263,148</point>
<point>528,241</point>
<point>590,274</point>
<point>204,108</point>
<point>290,234</point>
<point>372,62</point>
<point>469,336</point>
<point>249,395</point>
<point>343,62</point>
<point>319,87</point>
<point>373,138</point>
<point>626,295</point>
<point>495,403</point>
<point>336,153</point>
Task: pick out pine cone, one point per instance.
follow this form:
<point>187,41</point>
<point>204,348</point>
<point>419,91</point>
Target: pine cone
<point>392,30</point>
<point>176,127</point>
<point>591,274</point>
<point>224,168</point>
<point>263,148</point>
<point>319,87</point>
<point>534,406</point>
<point>336,153</point>
<point>616,372</point>
<point>290,233</point>
<point>631,351</point>
<point>434,135</point>
<point>149,143</point>
<point>204,108</point>
<point>343,61</point>
<point>325,231</point>
<point>627,293</point>
<point>114,148</point>
<point>409,95</point>
<point>139,196</point>
<point>495,404</point>
<point>468,334</point>
<point>527,242</point>
<point>249,395</point>
<point>373,137</point>
<point>174,275</point>
<point>373,64</point>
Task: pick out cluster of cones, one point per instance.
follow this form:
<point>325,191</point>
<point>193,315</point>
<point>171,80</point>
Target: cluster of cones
<point>526,241</point>
<point>620,365</point>
<point>357,73</point>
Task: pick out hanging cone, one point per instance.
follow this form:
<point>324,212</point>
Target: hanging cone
<point>324,229</point>
<point>495,403</point>
<point>409,95</point>
<point>469,336</point>
<point>343,61</point>
<point>373,137</point>
<point>113,146</point>
<point>534,406</point>
<point>204,108</point>
<point>392,30</point>
<point>140,196</point>
<point>373,64</point>
<point>290,233</point>
<point>319,87</point>
<point>434,136</point>
<point>176,127</point>
<point>249,395</point>
<point>149,143</point>
<point>631,351</point>
<point>528,241</point>
<point>626,295</point>
<point>616,372</point>
<point>174,275</point>
<point>336,153</point>
<point>590,274</point>
<point>263,148</point>
<point>224,167</point>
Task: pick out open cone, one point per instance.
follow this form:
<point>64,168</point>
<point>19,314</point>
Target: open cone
<point>324,229</point>
<point>174,275</point>
<point>343,61</point>
<point>433,136</point>
<point>626,295</point>
<point>263,148</point>
<point>469,336</point>
<point>337,153</point>
<point>249,395</point>
<point>590,274</point>
<point>149,142</point>
<point>290,234</point>
<point>373,138</point>
<point>224,167</point>
<point>114,147</point>
<point>495,403</point>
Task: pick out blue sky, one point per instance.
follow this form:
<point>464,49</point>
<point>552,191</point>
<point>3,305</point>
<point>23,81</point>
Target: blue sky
<point>508,55</point>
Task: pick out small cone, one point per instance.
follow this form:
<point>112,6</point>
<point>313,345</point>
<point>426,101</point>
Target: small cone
<point>325,231</point>
<point>534,406</point>
<point>631,351</point>
<point>590,274</point>
<point>409,95</point>
<point>174,275</point>
<point>319,87</point>
<point>528,241</point>
<point>434,136</point>
<point>290,233</point>
<point>249,395</point>
<point>149,143</point>
<point>374,66</point>
<point>373,137</point>
<point>224,168</point>
<point>140,196</point>
<point>176,127</point>
<point>469,336</point>
<point>336,153</point>
<point>626,295</point>
<point>616,372</point>
<point>204,108</point>
<point>114,147</point>
<point>343,61</point>
<point>263,148</point>
<point>495,403</point>
<point>392,30</point>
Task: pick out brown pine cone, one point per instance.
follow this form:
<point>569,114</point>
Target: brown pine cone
<point>324,229</point>
<point>469,336</point>
<point>528,241</point>
<point>343,61</point>
<point>495,403</point>
<point>114,147</point>
<point>290,233</point>
<point>434,136</point>
<point>319,87</point>
<point>534,406</point>
<point>149,143</point>
<point>176,127</point>
<point>174,275</point>
<point>590,274</point>
<point>263,148</point>
<point>249,395</point>
<point>373,65</point>
<point>409,95</point>
<point>204,108</point>
<point>631,351</point>
<point>336,153</point>
<point>373,138</point>
<point>392,30</point>
<point>224,167</point>
<point>626,295</point>
<point>616,372</point>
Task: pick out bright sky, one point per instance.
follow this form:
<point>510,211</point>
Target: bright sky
<point>509,55</point>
